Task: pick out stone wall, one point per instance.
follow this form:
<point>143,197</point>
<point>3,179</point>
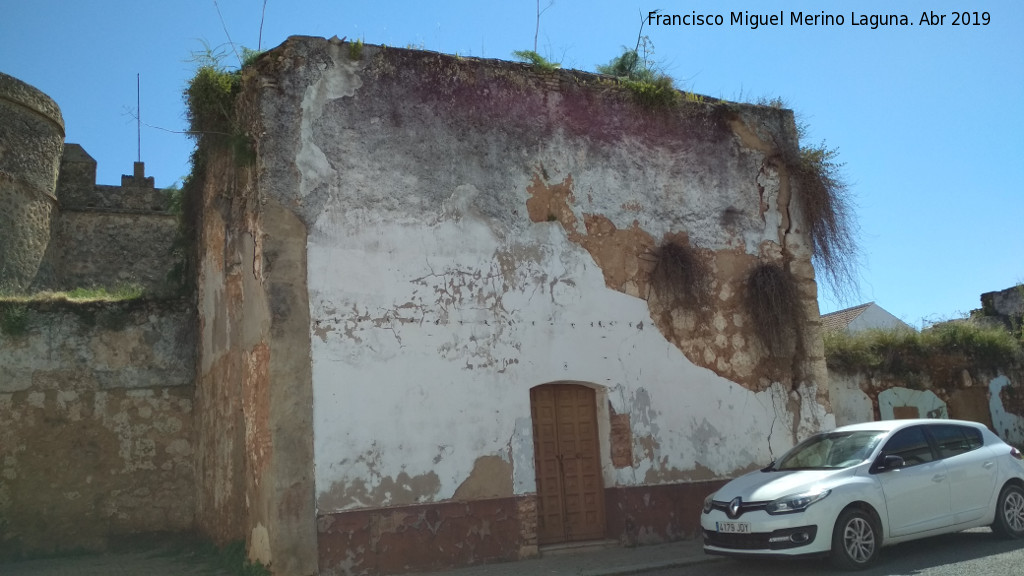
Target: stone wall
<point>31,139</point>
<point>1006,306</point>
<point>455,232</point>
<point>96,424</point>
<point>110,236</point>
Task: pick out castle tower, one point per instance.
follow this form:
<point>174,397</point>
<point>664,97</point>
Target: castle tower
<point>31,143</point>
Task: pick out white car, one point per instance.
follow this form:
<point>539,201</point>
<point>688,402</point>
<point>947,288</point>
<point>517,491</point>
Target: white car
<point>851,491</point>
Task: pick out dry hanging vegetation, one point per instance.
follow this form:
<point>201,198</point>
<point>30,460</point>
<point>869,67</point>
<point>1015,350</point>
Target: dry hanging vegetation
<point>817,182</point>
<point>773,301</point>
<point>817,185</point>
<point>679,276</point>
<point>824,198</point>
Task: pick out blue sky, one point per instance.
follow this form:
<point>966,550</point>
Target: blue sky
<point>928,119</point>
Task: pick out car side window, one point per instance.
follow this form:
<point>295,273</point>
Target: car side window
<point>911,445</point>
<point>952,440</point>
<point>974,438</point>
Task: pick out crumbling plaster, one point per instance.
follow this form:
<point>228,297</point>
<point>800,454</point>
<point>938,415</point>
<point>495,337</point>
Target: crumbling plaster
<point>1007,421</point>
<point>439,294</point>
<point>992,399</point>
<point>253,397</point>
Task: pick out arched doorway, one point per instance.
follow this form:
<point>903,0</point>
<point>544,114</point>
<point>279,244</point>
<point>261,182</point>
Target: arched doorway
<point>570,490</point>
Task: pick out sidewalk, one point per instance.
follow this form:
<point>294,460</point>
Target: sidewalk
<point>609,561</point>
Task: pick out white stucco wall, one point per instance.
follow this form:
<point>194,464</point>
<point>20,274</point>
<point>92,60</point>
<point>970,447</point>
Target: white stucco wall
<point>425,350</point>
<point>874,317</point>
<point>1008,425</point>
<point>436,304</point>
<point>927,403</point>
<point>850,404</point>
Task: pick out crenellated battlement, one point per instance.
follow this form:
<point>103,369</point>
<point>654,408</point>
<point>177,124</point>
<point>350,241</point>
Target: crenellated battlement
<point>107,236</point>
<point>78,191</point>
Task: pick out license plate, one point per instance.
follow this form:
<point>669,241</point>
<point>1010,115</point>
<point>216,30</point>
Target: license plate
<point>733,527</point>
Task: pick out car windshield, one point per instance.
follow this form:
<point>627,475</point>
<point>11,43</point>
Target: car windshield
<point>831,450</point>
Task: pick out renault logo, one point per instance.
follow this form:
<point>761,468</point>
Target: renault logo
<point>734,507</point>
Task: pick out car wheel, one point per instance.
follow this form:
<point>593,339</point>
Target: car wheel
<point>1010,513</point>
<point>855,541</point>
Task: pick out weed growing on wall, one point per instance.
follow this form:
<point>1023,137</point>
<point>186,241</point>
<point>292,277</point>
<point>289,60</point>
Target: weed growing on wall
<point>210,97</point>
<point>210,103</point>
<point>636,69</point>
<point>536,60</point>
<point>773,302</point>
<point>13,318</point>
<point>355,50</point>
<point>181,247</point>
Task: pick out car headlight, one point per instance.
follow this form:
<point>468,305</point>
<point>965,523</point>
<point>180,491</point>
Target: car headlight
<point>709,502</point>
<point>795,502</point>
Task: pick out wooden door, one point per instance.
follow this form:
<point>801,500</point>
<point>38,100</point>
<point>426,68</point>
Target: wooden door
<point>570,492</point>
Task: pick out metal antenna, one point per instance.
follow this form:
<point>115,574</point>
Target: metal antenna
<point>138,109</point>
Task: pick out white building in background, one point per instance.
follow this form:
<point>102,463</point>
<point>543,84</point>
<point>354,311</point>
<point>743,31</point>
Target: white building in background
<point>862,317</point>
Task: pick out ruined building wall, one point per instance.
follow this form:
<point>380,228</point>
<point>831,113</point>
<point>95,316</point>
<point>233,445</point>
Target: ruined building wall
<point>1005,306</point>
<point>955,385</point>
<point>96,435</point>
<point>253,400</point>
<point>993,397</point>
<point>472,230</point>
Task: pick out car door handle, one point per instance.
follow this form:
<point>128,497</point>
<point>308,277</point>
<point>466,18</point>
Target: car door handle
<point>938,478</point>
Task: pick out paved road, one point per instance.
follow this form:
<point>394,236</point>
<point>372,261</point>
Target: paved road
<point>973,553</point>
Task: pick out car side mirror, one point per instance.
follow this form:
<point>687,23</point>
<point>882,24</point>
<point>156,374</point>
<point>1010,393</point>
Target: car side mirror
<point>893,462</point>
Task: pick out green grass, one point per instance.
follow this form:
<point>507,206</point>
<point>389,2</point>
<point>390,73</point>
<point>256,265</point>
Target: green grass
<point>14,308</point>
<point>119,293</point>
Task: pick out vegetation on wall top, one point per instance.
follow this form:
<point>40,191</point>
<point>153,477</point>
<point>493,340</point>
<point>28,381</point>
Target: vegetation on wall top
<point>210,97</point>
<point>210,100</point>
<point>14,309</point>
<point>951,346</point>
<point>119,293</point>
<point>536,60</point>
<point>636,69</point>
